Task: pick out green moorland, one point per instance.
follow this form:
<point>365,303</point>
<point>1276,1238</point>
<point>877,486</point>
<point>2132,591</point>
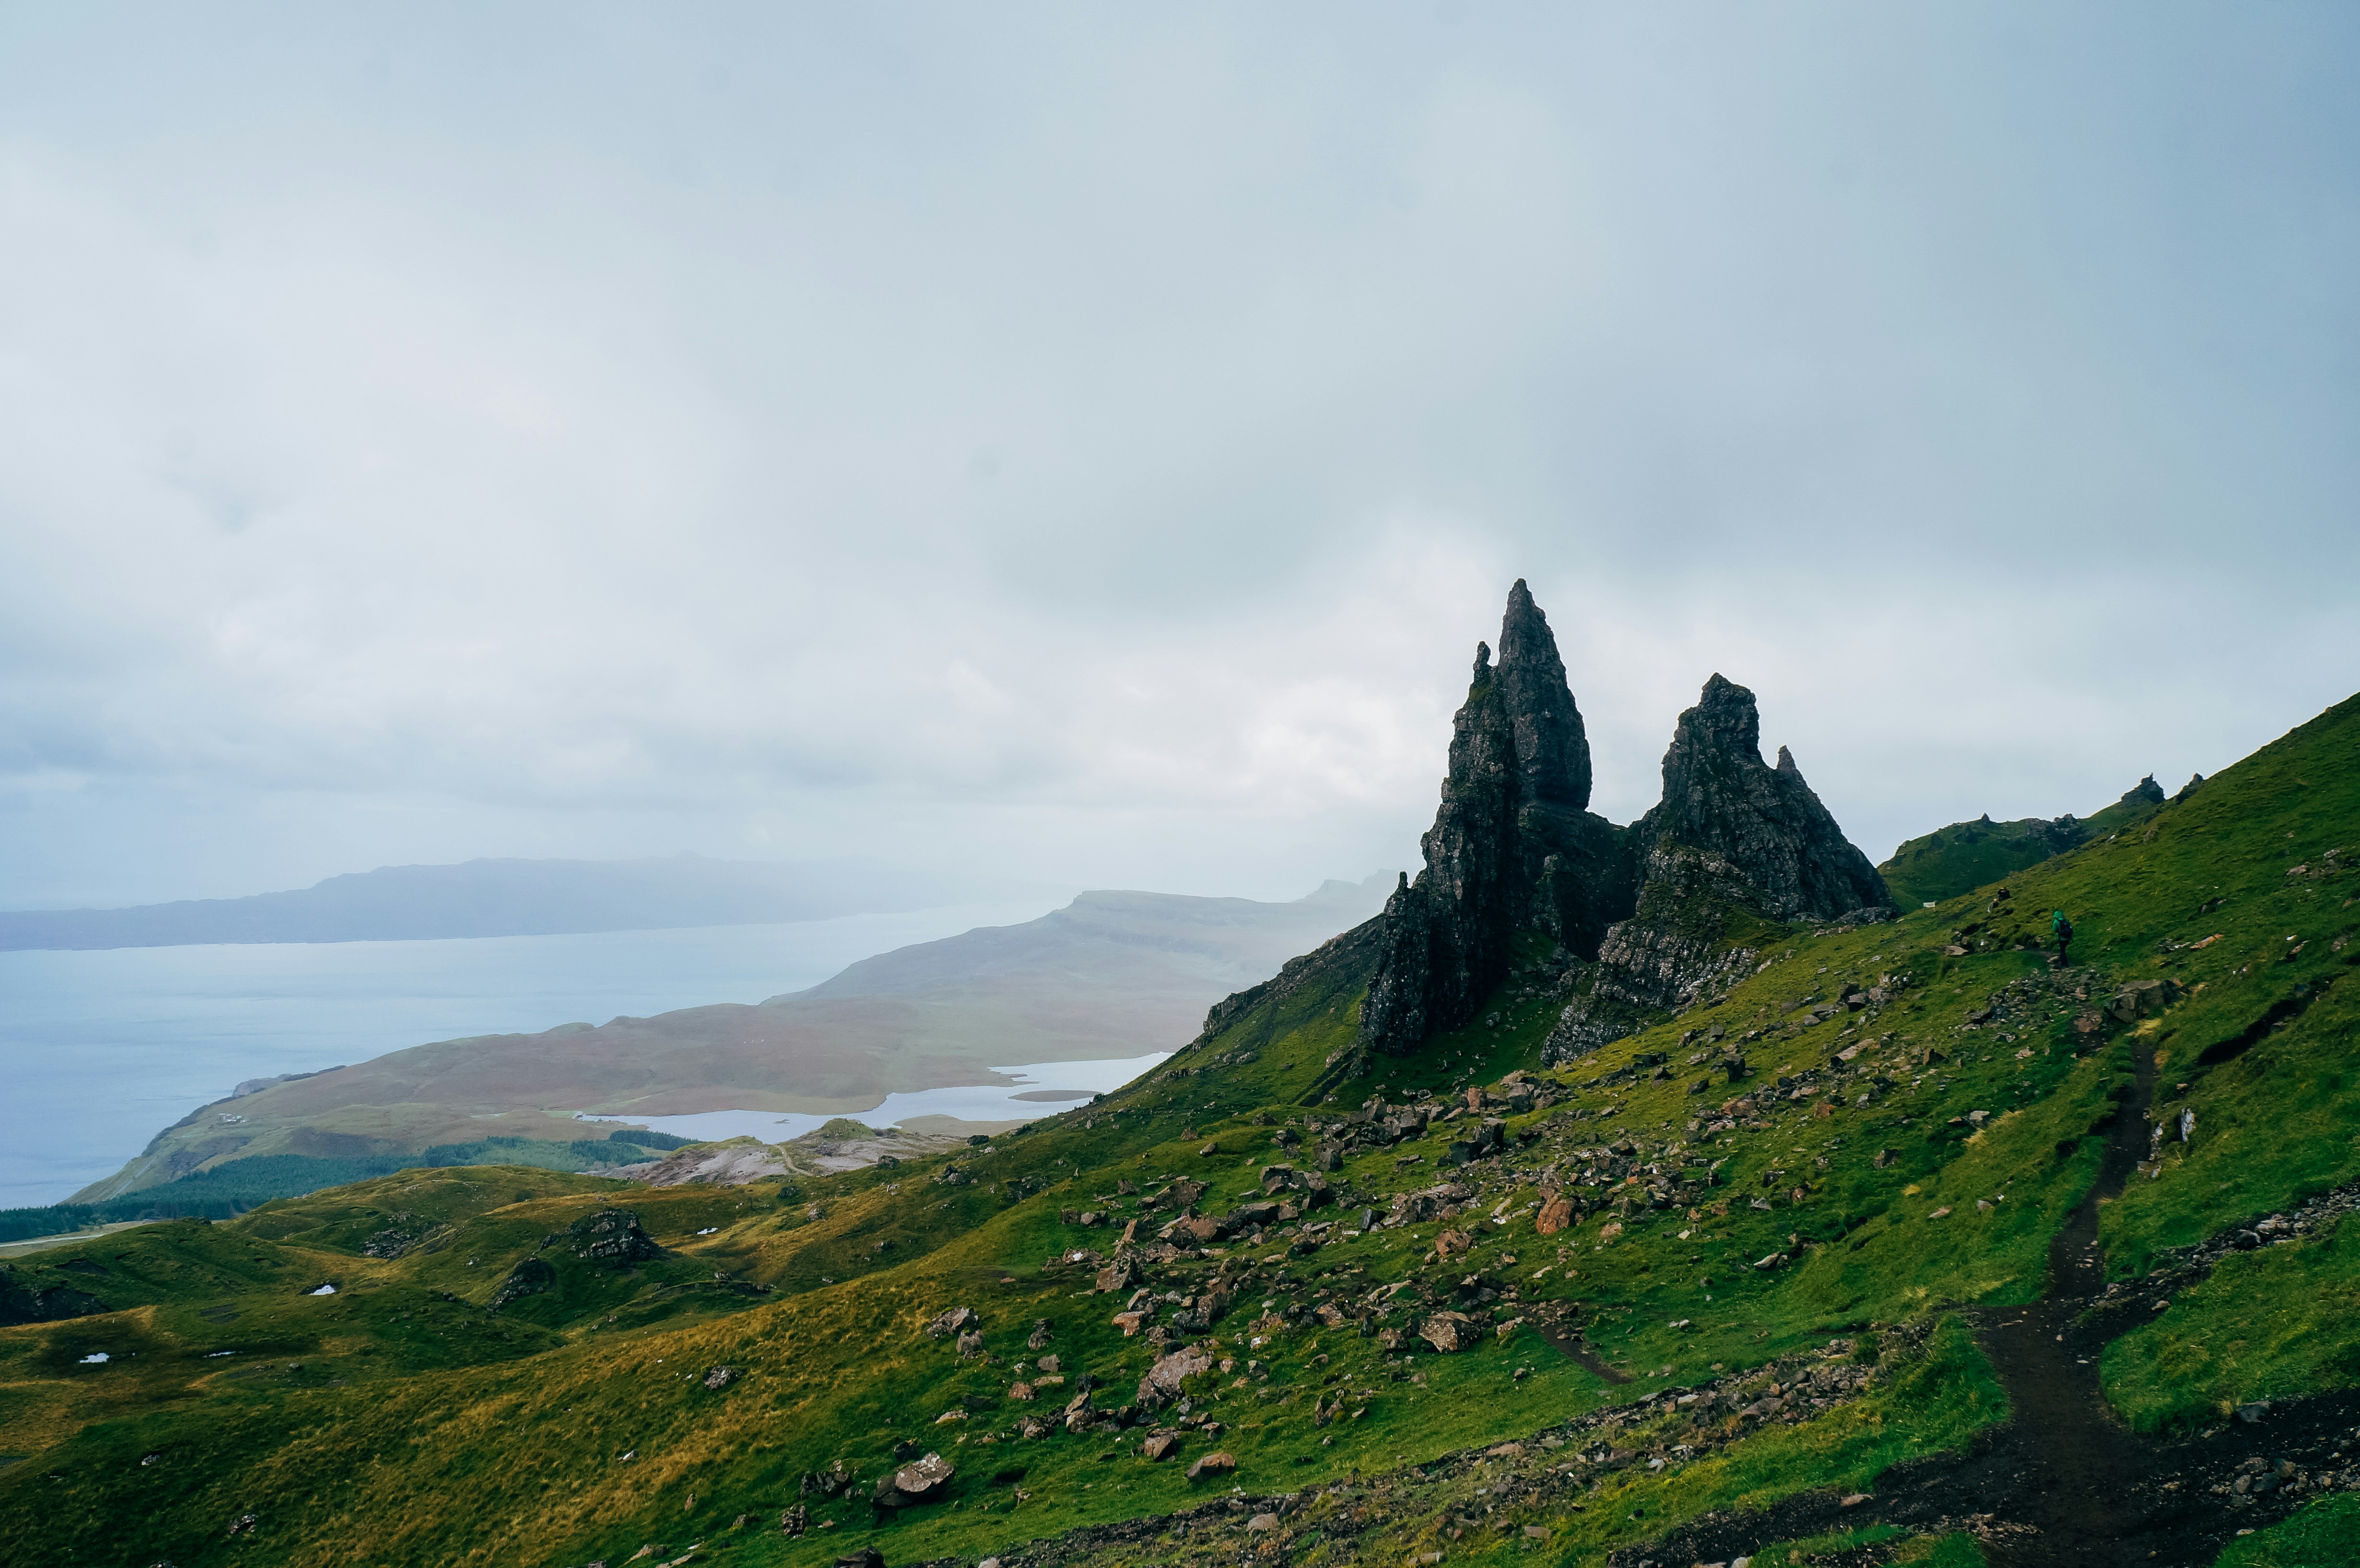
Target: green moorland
<point>1966,856</point>
<point>1816,1232</point>
<point>224,1191</point>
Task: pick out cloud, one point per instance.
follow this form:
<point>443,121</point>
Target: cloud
<point>1094,440</point>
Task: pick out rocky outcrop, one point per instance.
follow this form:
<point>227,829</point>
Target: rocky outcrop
<point>1733,846</point>
<point>1663,907</point>
<point>533,1277</point>
<point>1513,845</point>
<point>613,1235</point>
<point>1684,943</point>
<point>23,1301</point>
<point>735,1163</point>
<point>1769,825</point>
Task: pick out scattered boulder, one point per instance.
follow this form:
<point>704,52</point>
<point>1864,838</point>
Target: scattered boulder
<point>1213,1466</point>
<point>722,1377</point>
<point>1449,1332</point>
<point>926,1480</point>
<point>1165,1377</point>
<point>951,1322</point>
<point>828,1483</point>
<point>1161,1445</point>
<point>1556,1214</point>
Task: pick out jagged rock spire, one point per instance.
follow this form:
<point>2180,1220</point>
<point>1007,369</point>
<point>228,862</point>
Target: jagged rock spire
<point>1719,796</point>
<point>1552,749</point>
<point>1511,847</point>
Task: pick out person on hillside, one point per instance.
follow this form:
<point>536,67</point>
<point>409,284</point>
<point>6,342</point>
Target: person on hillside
<point>2062,929</point>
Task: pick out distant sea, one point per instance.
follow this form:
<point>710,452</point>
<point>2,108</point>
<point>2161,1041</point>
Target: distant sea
<point>99,1052</point>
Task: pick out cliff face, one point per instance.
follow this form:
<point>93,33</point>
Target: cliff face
<point>1513,845</point>
<point>1766,822</point>
<point>1515,848</point>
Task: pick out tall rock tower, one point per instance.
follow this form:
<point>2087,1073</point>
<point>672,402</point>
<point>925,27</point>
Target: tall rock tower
<point>1734,841</point>
<point>1719,796</point>
<point>1513,845</point>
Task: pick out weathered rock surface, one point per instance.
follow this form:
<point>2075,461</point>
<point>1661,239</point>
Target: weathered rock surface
<point>1734,844</point>
<point>529,1278</point>
<point>1513,845</point>
<point>613,1235</point>
<point>1670,952</point>
<point>1165,1377</point>
<point>1212,1466</point>
<point>731,1164</point>
<point>950,1321</point>
<point>1450,1331</point>
<point>925,1481</point>
<point>1765,822</point>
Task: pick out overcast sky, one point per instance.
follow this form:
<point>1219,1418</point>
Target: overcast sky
<point>1088,442</point>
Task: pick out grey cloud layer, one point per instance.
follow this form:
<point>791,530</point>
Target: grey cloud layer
<point>1092,440</point>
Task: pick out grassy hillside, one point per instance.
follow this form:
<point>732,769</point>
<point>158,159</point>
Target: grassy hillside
<point>1812,1231</point>
<point>1966,856</point>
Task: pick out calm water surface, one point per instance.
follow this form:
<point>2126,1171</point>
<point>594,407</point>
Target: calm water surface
<point>1041,1089</point>
<point>101,1051</point>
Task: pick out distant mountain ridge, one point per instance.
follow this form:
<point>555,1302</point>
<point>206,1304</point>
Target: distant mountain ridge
<point>1112,975</point>
<point>511,897</point>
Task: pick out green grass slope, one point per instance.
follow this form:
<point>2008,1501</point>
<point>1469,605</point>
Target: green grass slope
<point>1966,856</point>
<point>1802,1249</point>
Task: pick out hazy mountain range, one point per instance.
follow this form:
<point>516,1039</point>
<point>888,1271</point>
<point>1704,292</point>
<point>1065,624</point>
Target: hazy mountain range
<point>514,898</point>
